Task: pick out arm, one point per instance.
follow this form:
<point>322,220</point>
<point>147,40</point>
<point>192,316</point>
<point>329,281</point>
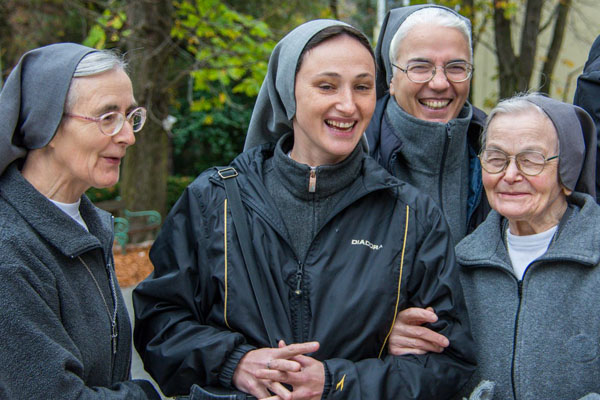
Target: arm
<point>39,359</point>
<point>178,345</point>
<point>430,280</point>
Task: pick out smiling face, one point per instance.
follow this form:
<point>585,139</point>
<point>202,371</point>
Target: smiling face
<point>438,100</point>
<point>80,155</point>
<point>532,204</point>
<point>335,99</point>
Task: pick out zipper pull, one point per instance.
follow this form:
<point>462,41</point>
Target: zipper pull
<point>113,337</point>
<point>312,180</point>
<point>298,290</point>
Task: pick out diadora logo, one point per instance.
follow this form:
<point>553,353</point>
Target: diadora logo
<point>367,243</point>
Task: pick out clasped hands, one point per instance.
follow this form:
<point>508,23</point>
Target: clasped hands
<point>262,372</point>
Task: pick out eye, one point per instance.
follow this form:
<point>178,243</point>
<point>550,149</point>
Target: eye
<point>420,68</point>
<point>363,87</point>
<point>326,86</point>
<point>456,68</point>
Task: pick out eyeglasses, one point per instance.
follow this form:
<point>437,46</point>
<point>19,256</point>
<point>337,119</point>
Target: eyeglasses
<point>112,122</point>
<point>530,162</point>
<point>422,71</point>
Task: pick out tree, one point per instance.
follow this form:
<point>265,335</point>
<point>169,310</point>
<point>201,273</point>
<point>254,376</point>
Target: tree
<point>145,169</point>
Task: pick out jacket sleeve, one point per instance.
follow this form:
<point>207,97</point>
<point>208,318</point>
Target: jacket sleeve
<point>173,335</point>
<point>39,360</point>
<point>433,281</point>
<point>587,96</point>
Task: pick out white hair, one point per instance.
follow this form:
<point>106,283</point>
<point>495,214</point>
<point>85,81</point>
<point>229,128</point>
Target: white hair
<point>91,64</point>
<point>431,16</point>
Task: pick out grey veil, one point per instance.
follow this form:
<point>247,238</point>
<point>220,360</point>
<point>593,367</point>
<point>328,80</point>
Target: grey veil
<point>33,98</point>
<point>276,104</point>
<point>577,142</point>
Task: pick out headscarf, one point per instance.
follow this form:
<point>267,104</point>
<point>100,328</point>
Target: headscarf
<point>276,103</point>
<point>393,19</point>
<point>577,143</point>
<point>33,98</point>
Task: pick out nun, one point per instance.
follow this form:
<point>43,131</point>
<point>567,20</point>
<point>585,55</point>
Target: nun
<point>67,116</point>
<point>531,270</point>
<point>303,304</point>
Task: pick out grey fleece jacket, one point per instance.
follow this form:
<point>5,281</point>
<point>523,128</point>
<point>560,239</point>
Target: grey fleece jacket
<point>538,338</point>
<point>434,158</point>
<point>54,324</point>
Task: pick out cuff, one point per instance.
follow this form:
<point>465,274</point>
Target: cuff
<point>231,363</point>
<point>327,385</point>
<point>148,389</point>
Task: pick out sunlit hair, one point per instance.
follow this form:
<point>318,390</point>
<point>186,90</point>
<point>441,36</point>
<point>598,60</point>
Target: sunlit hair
<point>430,16</point>
<point>332,32</point>
<point>93,64</point>
<point>517,104</point>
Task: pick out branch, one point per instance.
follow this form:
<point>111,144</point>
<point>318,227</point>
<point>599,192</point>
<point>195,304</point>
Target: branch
<point>554,49</point>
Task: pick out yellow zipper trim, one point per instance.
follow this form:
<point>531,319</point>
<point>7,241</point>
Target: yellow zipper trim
<point>225,246</point>
<point>399,283</point>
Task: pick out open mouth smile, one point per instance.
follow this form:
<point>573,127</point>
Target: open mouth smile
<point>340,126</point>
<point>435,104</point>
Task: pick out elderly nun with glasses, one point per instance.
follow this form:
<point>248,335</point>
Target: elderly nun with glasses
<point>531,270</point>
<point>67,116</point>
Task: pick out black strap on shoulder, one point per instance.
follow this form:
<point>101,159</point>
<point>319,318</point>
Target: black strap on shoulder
<point>243,234</point>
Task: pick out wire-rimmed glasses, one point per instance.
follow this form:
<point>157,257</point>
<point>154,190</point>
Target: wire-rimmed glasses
<point>529,162</point>
<point>112,122</point>
<point>423,71</point>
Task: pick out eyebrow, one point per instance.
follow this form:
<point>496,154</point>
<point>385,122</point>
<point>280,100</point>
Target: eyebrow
<point>421,59</point>
<point>113,107</point>
<point>336,75</point>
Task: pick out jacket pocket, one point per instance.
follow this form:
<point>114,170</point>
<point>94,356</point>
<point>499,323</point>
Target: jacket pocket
<point>214,393</point>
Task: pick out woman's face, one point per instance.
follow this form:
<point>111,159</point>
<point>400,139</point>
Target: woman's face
<point>80,153</point>
<point>532,204</point>
<point>335,99</point>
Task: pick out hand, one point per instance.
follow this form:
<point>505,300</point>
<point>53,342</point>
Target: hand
<point>307,383</point>
<point>409,337</point>
<point>282,359</point>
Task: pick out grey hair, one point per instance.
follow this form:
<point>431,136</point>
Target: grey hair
<point>430,15</point>
<point>517,104</point>
<point>91,64</point>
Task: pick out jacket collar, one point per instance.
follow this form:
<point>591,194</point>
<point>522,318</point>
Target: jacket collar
<point>577,240</point>
<point>56,227</point>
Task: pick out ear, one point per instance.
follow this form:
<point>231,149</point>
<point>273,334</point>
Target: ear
<point>566,191</point>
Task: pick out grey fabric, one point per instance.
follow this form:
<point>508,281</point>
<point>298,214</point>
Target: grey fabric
<point>33,98</point>
<point>276,103</point>
<point>433,159</point>
<point>577,141</point>
<point>393,19</point>
<point>54,324</point>
<point>304,213</point>
<point>542,331</point>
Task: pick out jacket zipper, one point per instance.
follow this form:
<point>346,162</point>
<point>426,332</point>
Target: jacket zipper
<point>514,355</point>
<point>312,180</point>
<point>298,294</point>
<point>444,154</point>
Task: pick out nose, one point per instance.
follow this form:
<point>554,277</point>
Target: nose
<point>126,135</point>
<point>512,173</point>
<point>346,103</point>
<point>439,80</point>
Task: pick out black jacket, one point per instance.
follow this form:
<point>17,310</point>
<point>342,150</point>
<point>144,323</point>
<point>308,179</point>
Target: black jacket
<point>587,96</point>
<point>384,143</point>
<point>384,248</point>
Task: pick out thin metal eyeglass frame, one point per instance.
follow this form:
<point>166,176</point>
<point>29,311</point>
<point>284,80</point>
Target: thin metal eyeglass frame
<point>434,71</point>
<point>123,118</point>
<point>508,158</point>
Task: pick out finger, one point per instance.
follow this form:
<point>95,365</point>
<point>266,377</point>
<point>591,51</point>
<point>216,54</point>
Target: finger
<point>280,390</point>
<point>271,374</point>
<point>299,348</point>
<point>415,315</point>
<point>416,343</point>
<point>281,344</point>
<point>282,364</point>
<point>405,333</point>
<point>400,351</point>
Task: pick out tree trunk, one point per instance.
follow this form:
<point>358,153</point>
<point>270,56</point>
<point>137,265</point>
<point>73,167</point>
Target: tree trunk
<point>145,169</point>
<point>557,38</point>
<point>529,37</point>
<point>507,61</point>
